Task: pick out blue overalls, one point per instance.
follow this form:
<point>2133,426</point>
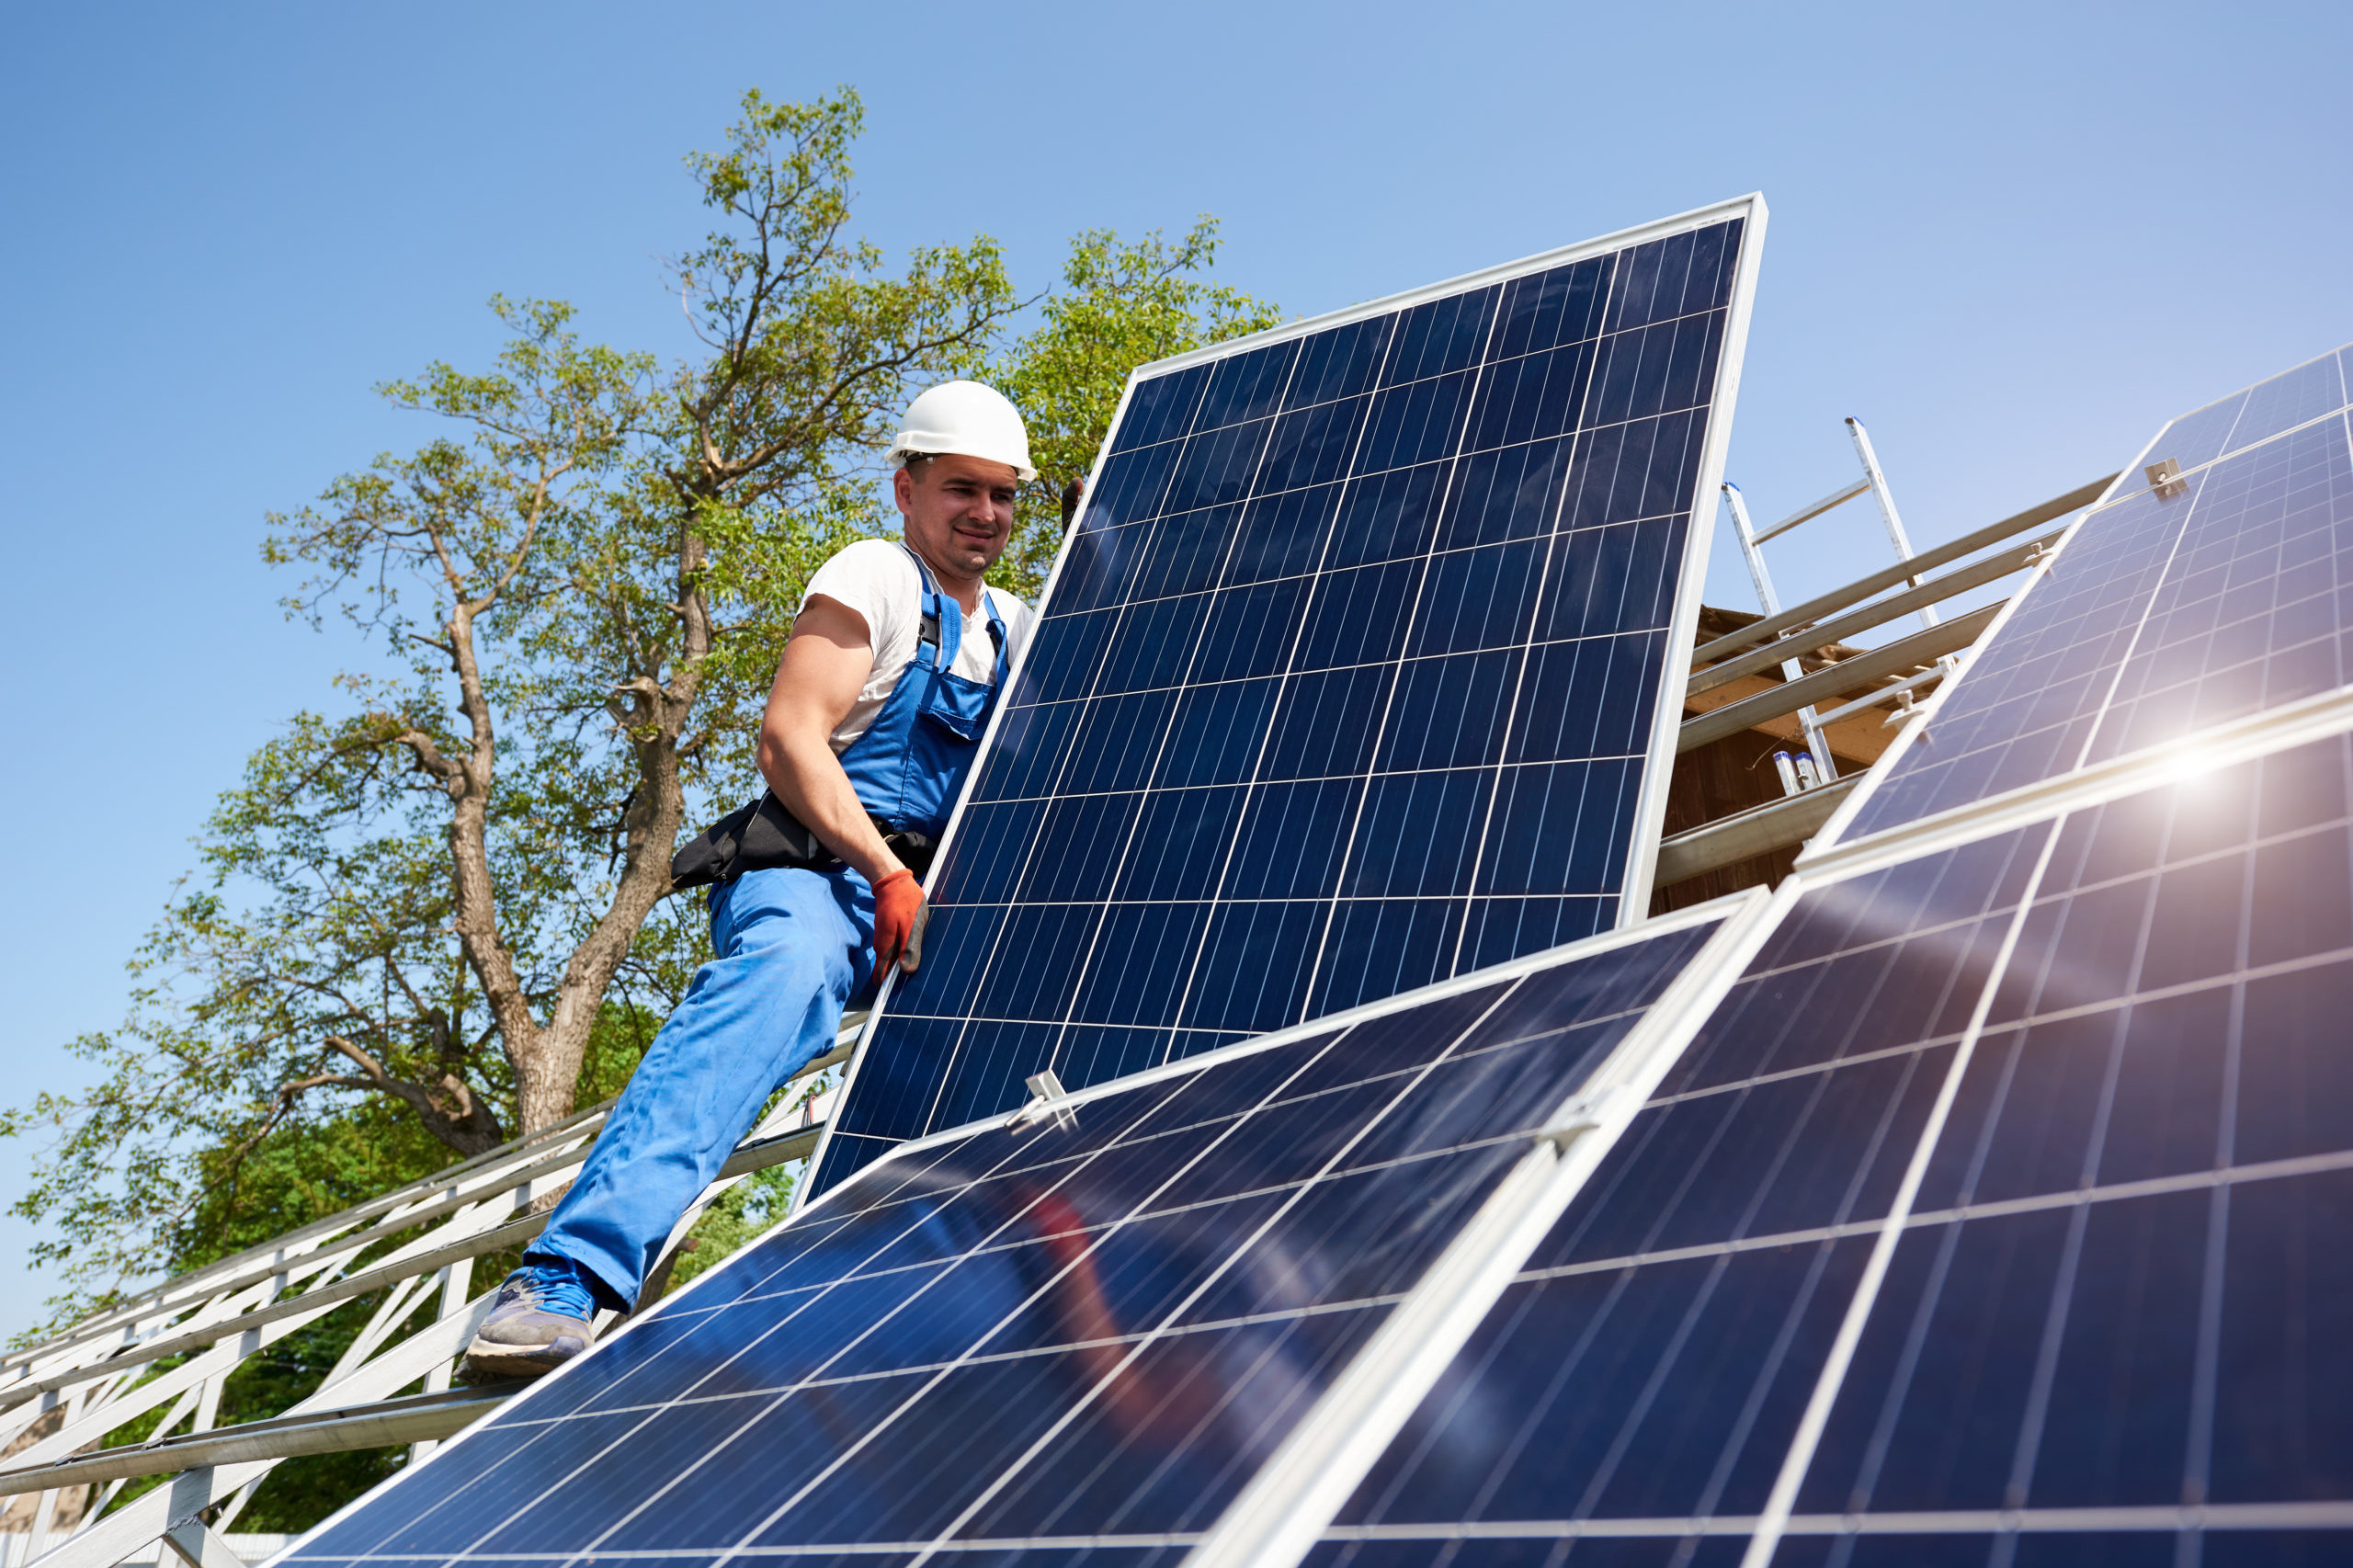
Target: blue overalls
<point>793,947</point>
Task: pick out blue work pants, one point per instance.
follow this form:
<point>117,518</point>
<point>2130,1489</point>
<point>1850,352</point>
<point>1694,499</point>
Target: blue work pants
<point>793,947</point>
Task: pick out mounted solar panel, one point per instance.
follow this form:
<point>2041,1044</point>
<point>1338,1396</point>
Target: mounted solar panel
<point>1347,680</point>
<point>1083,1328</point>
<point>1978,1197</point>
<point>2223,591</point>
<point>1998,1215</point>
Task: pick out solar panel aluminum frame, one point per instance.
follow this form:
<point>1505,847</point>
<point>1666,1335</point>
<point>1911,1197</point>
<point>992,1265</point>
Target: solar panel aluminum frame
<point>2189,414</point>
<point>1733,907</point>
<point>1650,814</point>
<point>2225,745</point>
<point>2238,740</point>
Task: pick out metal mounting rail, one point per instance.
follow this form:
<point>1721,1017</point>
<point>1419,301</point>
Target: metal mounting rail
<point>2018,558</point>
<point>1776,824</point>
<point>419,1418</point>
<point>1920,648</point>
<point>749,1157</point>
<point>1854,593</point>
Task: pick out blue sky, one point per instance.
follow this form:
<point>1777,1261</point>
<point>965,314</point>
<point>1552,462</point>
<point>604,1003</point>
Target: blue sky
<point>2014,239</point>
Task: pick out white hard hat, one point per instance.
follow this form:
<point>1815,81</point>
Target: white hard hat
<point>966,417</point>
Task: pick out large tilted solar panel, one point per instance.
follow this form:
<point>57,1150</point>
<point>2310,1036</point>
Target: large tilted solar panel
<point>2091,1253</point>
<point>1348,681</point>
<point>1079,1336</point>
<point>2163,615</point>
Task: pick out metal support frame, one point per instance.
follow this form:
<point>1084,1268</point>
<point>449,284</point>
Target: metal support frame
<point>1832,617</point>
<point>1799,617</point>
<point>1873,483</point>
<point>417,1245</point>
<point>1920,648</point>
<point>1760,830</point>
<point>1815,742</point>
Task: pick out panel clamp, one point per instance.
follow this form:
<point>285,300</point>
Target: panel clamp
<point>2164,478</point>
<point>1046,1104</point>
<point>1593,1108</point>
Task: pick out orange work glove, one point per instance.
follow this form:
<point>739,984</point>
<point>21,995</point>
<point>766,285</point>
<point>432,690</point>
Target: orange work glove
<point>899,915</point>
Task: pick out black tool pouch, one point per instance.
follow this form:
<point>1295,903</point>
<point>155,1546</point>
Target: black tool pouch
<point>764,837</point>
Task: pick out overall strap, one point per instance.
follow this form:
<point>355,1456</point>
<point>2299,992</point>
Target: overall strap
<point>1000,635</point>
<point>931,609</point>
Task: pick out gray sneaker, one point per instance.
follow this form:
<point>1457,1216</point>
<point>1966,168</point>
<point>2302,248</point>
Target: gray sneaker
<point>539,1322</point>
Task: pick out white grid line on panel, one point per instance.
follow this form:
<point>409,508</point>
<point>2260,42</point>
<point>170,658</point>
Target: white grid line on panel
<point>1992,1522</point>
<point>1798,1457</point>
<point>1995,1522</point>
<point>2225,745</point>
<point>1579,439</point>
<point>1318,580</point>
<point>1452,464</point>
<point>1956,1215</point>
<point>1226,350</point>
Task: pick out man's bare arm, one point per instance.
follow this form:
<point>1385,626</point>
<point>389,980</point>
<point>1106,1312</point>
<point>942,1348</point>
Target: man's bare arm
<point>825,665</point>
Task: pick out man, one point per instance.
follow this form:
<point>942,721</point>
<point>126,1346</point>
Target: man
<point>896,658</point>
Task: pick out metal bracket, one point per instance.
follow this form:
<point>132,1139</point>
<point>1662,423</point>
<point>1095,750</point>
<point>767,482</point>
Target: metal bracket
<point>1594,1107</point>
<point>197,1544</point>
<point>1045,1106</point>
<point>2164,478</point>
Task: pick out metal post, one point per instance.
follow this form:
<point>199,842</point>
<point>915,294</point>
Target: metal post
<point>457,1280</point>
<point>1816,743</point>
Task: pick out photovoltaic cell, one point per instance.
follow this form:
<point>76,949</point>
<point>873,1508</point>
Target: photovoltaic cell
<point>2162,616</point>
<point>1045,1342</point>
<point>1345,684</point>
<point>2112,1318</point>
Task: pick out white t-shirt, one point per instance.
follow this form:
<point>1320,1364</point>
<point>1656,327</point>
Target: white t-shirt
<point>878,578</point>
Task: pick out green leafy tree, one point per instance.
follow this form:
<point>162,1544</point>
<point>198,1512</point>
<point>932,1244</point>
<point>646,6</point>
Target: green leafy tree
<point>426,903</point>
<point>1120,305</point>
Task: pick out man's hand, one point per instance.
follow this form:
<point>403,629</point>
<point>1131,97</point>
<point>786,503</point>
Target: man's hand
<point>900,915</point>
<point>1072,493</point>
